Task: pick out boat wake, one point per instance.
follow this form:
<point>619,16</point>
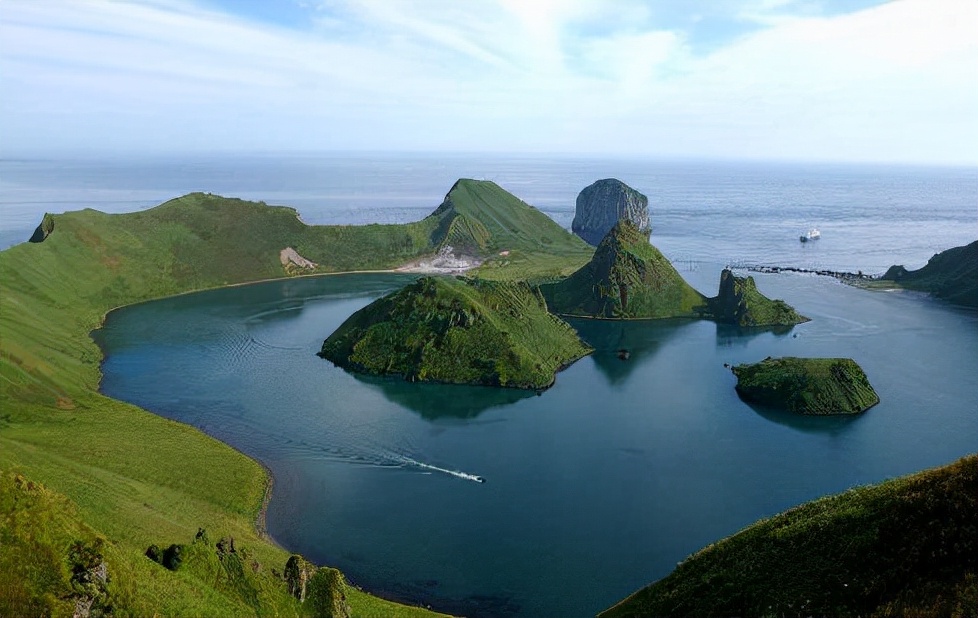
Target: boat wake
<point>456,473</point>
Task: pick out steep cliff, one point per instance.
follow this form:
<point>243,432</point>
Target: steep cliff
<point>606,202</point>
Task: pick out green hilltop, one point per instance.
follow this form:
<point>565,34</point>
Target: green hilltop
<point>627,278</point>
<point>951,275</point>
<point>456,330</point>
<point>816,386</point>
<point>905,547</point>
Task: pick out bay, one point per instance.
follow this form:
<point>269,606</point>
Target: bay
<point>593,488</point>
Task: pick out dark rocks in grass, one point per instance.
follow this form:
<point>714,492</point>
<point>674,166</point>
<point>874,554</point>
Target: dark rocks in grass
<point>816,386</point>
<point>298,572</point>
<point>327,594</point>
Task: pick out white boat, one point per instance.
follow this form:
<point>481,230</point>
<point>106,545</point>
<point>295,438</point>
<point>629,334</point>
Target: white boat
<point>812,234</point>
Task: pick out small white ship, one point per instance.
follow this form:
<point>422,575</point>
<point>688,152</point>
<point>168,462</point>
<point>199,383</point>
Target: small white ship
<point>812,234</point>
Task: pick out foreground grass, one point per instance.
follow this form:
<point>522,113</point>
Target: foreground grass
<point>906,547</point>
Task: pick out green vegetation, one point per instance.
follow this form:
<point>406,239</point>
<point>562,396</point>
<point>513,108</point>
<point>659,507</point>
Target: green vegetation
<point>457,330</point>
<point>627,278</point>
<point>807,385</point>
<point>739,303</point>
<point>951,275</point>
<point>118,473</point>
<point>906,547</point>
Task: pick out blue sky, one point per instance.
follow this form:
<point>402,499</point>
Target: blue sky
<point>829,80</point>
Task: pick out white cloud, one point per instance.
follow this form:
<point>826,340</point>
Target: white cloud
<point>894,82</point>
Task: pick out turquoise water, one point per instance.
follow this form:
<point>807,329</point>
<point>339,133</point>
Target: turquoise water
<point>593,488</point>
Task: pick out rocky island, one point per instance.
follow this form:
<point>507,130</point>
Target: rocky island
<point>817,386</point>
<point>739,303</point>
<point>606,202</point>
<point>458,330</point>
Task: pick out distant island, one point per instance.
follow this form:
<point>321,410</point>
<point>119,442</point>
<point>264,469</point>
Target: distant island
<point>817,386</point>
<point>457,330</point>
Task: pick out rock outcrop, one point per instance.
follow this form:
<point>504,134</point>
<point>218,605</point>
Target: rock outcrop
<point>951,275</point>
<point>606,202</point>
<point>627,278</point>
<point>739,303</point>
<point>817,386</point>
<point>43,230</point>
<point>461,331</point>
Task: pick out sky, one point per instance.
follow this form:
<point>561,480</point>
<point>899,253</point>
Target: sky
<point>818,80</point>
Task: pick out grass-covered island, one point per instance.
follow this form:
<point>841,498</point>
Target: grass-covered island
<point>628,278</point>
<point>817,386</point>
<point>951,275</point>
<point>905,547</point>
<point>458,330</point>
<point>739,303</point>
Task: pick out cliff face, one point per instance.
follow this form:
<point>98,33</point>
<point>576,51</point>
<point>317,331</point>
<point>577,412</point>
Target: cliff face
<point>817,386</point>
<point>951,275</point>
<point>462,331</point>
<point>601,205</point>
<point>626,278</point>
<point>738,302</point>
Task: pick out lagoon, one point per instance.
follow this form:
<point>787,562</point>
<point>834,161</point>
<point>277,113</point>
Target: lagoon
<point>595,487</point>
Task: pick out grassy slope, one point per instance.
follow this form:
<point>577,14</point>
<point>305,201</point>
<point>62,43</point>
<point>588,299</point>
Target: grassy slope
<point>951,275</point>
<point>134,477</point>
<point>626,278</point>
<point>454,330</point>
<point>739,302</point>
<point>807,385</point>
<point>906,547</point>
<point>480,218</point>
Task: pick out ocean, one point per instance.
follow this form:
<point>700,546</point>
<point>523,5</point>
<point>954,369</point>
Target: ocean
<point>870,216</point>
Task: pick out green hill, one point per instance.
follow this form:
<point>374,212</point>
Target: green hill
<point>480,219</point>
<point>951,275</point>
<point>739,303</point>
<point>627,278</point>
<point>807,385</point>
<point>906,547</point>
<point>464,331</point>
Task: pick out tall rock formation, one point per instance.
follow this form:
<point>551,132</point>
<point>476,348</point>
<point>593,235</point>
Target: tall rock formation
<point>601,205</point>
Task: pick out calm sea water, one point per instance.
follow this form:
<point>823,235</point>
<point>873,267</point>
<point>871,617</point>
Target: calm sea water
<point>604,482</point>
<point>732,213</point>
<point>594,488</point>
